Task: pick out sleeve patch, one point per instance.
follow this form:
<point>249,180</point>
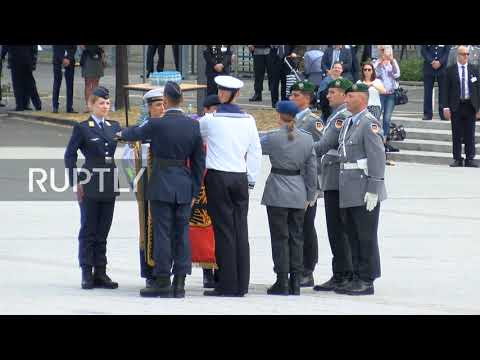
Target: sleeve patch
<point>338,123</point>
<point>375,128</point>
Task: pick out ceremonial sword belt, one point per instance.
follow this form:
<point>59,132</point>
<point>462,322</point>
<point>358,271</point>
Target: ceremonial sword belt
<point>285,172</point>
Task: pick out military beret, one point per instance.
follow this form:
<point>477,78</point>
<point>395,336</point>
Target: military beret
<point>358,88</point>
<point>101,91</point>
<point>340,83</point>
<point>303,85</point>
<point>227,82</point>
<point>172,90</point>
<point>287,107</point>
<point>153,95</point>
<point>211,100</point>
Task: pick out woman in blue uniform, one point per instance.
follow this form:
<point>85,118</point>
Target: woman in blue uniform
<point>94,137</point>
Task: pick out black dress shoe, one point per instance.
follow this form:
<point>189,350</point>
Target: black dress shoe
<point>87,278</point>
<point>71,111</point>
<point>425,117</point>
<point>457,163</point>
<point>102,280</point>
<point>358,287</point>
<point>149,282</point>
<point>2,105</point>
<point>256,97</point>
<point>219,293</point>
<point>28,109</point>
<point>159,287</point>
<point>179,286</point>
<point>332,284</point>
<point>55,110</point>
<point>281,285</point>
<point>306,280</point>
<point>19,109</point>
<point>471,163</point>
<point>208,279</point>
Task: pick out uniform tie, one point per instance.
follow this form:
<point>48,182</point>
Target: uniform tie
<point>101,125</point>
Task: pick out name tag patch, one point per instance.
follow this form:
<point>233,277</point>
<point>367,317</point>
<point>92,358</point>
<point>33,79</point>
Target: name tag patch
<point>319,125</point>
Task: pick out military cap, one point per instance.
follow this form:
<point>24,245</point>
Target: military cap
<point>303,85</point>
<point>172,90</point>
<point>211,100</point>
<point>287,107</point>
<point>358,88</point>
<point>340,83</point>
<point>101,91</point>
<point>226,82</point>
<point>153,95</point>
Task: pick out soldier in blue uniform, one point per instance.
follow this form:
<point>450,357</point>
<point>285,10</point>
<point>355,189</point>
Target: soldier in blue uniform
<point>435,62</point>
<point>172,188</point>
<point>94,137</point>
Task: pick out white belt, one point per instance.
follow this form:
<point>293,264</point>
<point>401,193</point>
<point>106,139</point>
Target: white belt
<point>349,166</point>
<point>333,152</point>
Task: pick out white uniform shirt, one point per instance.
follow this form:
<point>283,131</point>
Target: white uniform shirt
<point>233,143</point>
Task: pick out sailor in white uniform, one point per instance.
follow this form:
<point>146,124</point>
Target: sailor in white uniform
<point>233,162</point>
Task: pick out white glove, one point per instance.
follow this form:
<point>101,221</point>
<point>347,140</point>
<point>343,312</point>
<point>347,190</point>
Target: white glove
<point>371,199</point>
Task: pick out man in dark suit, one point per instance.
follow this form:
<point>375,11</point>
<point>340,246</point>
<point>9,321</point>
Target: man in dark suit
<point>461,102</point>
<point>435,62</point>
<point>260,64</point>
<point>172,189</point>
<point>22,61</point>
<point>279,70</point>
<point>152,49</point>
<point>63,58</point>
<point>340,54</point>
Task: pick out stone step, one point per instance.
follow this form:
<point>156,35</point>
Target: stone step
<point>426,145</point>
<point>433,134</point>
<point>425,124</point>
<point>421,157</point>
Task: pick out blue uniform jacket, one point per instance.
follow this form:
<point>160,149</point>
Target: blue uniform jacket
<point>434,52</point>
<point>96,145</point>
<point>176,137</point>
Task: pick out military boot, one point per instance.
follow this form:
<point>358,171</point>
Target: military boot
<point>149,282</point>
<point>87,278</point>
<point>281,285</point>
<point>101,279</point>
<point>306,279</point>
<point>208,279</point>
<point>294,284</point>
<point>160,287</point>
<point>331,284</point>
<point>179,286</point>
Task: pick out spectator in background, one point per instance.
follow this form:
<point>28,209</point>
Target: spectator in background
<point>435,62</point>
<point>279,70</point>
<point>338,54</point>
<point>63,59</point>
<point>260,64</point>
<point>218,60</point>
<point>3,52</point>
<point>312,66</point>
<point>375,89</point>
<point>335,73</point>
<point>355,63</point>
<point>152,49</point>
<point>93,63</point>
<point>388,71</point>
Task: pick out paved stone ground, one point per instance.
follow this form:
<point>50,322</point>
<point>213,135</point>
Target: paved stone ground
<point>430,253</point>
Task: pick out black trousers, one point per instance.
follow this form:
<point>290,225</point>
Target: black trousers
<point>362,227</point>
<point>429,79</point>
<point>463,130</point>
<point>171,245</point>
<point>227,195</point>
<point>152,49</point>
<point>286,233</point>
<point>57,83</point>
<point>260,64</point>
<point>310,240</point>
<point>22,82</point>
<point>96,219</point>
<point>277,76</point>
<point>337,236</point>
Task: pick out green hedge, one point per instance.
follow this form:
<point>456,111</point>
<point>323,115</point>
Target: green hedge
<point>411,69</point>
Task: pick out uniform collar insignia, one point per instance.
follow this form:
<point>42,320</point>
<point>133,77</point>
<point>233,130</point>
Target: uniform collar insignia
<point>91,124</point>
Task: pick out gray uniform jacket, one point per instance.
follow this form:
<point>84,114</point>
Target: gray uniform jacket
<point>361,144</point>
<point>298,154</point>
<point>312,124</point>
<point>327,149</point>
